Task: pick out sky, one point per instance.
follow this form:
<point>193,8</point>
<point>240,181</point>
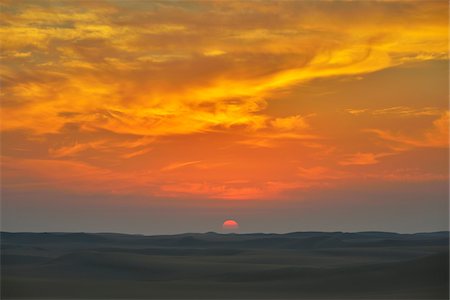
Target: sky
<point>174,116</point>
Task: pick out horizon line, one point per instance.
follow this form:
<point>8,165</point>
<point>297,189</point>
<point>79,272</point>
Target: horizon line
<point>222,233</point>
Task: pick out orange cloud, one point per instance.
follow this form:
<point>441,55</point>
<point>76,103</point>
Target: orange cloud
<point>175,166</point>
<point>363,158</point>
<point>437,136</point>
<point>321,173</point>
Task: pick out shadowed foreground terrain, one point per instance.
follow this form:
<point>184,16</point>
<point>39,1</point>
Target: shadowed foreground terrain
<point>302,265</point>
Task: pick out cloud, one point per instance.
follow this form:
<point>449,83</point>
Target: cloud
<point>321,173</point>
<point>214,52</point>
<point>69,150</point>
<point>137,153</point>
<point>175,166</point>
<point>65,175</point>
<point>152,91</point>
<point>436,137</point>
<point>400,111</point>
<point>363,158</point>
<point>271,139</point>
<point>356,111</point>
<point>289,123</point>
<point>231,190</point>
<point>407,175</point>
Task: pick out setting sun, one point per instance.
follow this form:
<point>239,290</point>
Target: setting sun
<point>230,225</point>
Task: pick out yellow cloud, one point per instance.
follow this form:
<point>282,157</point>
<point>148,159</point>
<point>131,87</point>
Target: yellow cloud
<point>215,52</point>
<point>403,111</point>
<point>289,123</point>
<point>80,33</point>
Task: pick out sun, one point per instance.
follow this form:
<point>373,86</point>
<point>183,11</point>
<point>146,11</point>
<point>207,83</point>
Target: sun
<point>230,225</point>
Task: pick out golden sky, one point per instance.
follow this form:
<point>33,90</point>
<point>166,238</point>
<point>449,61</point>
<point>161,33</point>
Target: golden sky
<point>254,100</point>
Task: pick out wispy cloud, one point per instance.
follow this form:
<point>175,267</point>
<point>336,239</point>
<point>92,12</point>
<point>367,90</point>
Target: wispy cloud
<point>437,136</point>
<point>400,111</point>
<point>363,158</point>
<point>179,165</point>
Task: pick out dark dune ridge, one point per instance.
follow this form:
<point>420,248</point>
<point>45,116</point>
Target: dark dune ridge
<point>298,265</point>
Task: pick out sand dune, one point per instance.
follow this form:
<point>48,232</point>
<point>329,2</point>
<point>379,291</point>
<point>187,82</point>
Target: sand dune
<point>211,265</point>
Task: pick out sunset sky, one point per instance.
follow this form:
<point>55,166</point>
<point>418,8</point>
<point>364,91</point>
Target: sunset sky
<point>164,117</point>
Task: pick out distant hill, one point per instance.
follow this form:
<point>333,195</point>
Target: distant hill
<point>297,265</point>
<point>294,240</point>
